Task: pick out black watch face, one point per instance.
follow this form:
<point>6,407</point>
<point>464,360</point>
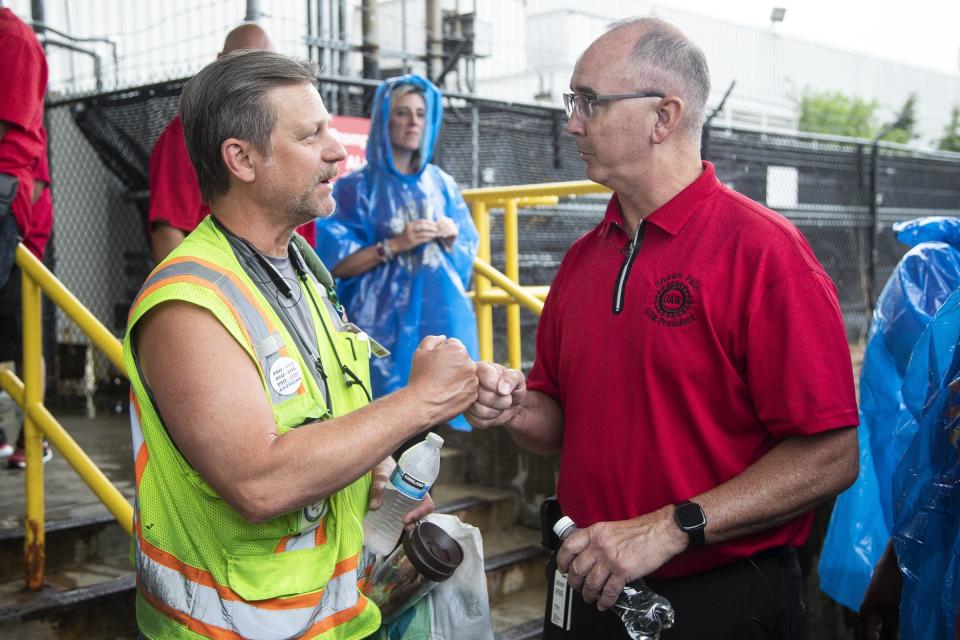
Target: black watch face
<point>690,516</point>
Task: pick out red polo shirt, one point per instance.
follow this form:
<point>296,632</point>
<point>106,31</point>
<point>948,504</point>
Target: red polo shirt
<point>174,190</point>
<point>41,217</point>
<point>729,340</point>
<point>23,83</point>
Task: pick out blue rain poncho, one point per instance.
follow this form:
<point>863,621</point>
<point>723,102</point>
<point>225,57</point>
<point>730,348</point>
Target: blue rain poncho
<point>421,292</point>
<point>862,519</point>
<point>926,483</point>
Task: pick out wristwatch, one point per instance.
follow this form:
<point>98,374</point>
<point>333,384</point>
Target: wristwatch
<point>692,520</point>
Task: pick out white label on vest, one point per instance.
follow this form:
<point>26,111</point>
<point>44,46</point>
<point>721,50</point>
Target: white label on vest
<point>285,376</point>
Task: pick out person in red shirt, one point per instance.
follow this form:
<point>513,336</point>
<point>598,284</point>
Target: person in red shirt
<point>176,207</point>
<point>41,225</point>
<point>23,76</point>
<point>692,367</point>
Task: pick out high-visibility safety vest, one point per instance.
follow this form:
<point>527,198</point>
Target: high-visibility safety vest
<point>202,570</point>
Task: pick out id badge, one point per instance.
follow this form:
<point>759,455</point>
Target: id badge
<point>376,349</point>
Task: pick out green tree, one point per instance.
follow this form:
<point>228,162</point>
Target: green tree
<point>835,113</point>
<point>903,128</point>
<point>951,133</point>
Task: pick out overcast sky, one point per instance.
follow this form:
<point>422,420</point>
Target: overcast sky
<point>925,33</point>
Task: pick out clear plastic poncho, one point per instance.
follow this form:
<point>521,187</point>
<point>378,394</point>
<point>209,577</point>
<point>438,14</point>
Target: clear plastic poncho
<point>421,292</point>
<point>862,519</point>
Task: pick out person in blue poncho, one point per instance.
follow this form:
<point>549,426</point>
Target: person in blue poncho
<point>402,241</point>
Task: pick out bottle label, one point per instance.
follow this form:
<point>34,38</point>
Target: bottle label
<point>408,485</point>
<point>562,605</point>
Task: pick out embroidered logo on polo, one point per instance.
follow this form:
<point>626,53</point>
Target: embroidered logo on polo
<point>675,301</point>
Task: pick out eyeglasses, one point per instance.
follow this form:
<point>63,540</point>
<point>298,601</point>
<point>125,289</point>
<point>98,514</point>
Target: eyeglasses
<point>582,103</point>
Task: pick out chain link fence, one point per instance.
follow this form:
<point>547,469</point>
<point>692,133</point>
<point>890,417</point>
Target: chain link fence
<point>843,194</point>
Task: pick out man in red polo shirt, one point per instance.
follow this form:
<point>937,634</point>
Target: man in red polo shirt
<point>176,207</point>
<point>23,78</point>
<point>692,367</point>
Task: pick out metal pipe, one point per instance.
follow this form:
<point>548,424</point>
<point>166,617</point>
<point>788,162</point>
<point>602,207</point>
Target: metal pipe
<point>34,546</point>
<point>38,14</point>
<point>403,36</point>
<point>253,11</point>
<point>484,311</point>
<point>101,337</point>
<point>511,249</point>
<point>481,267</point>
<point>560,189</point>
<point>496,295</point>
<point>474,146</point>
<point>309,29</point>
<point>370,49</point>
<point>97,65</point>
<point>88,471</point>
<point>434,39</point>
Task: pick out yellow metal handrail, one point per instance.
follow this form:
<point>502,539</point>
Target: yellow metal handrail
<point>38,421</point>
<point>510,294</point>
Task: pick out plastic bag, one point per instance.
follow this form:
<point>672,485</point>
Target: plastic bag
<point>456,608</point>
<point>926,531</point>
<point>862,519</point>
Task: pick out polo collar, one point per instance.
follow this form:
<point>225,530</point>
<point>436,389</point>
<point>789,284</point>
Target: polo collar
<point>674,214</point>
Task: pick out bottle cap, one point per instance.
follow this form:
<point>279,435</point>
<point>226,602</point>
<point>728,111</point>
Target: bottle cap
<point>434,440</point>
<point>564,527</point>
<point>434,553</point>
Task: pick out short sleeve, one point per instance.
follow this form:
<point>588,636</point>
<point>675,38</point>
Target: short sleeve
<point>545,374</point>
<point>798,360</point>
<point>24,70</point>
<point>174,189</point>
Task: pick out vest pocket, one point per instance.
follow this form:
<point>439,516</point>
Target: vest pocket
<point>279,575</point>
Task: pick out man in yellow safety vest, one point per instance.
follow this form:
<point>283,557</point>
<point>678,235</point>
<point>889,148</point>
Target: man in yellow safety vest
<point>257,449</point>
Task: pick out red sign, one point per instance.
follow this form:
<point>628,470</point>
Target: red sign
<point>352,133</point>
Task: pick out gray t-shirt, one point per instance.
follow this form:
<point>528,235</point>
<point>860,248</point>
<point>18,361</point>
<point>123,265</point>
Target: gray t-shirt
<point>294,311</point>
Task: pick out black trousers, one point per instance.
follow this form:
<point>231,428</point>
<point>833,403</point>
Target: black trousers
<point>759,598</point>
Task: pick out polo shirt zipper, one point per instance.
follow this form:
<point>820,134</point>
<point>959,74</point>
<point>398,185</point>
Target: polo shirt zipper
<point>632,249</point>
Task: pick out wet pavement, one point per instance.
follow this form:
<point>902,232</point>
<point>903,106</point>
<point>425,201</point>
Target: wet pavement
<point>106,439</point>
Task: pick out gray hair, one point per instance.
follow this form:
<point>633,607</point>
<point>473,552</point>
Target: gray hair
<point>663,53</point>
<point>227,99</point>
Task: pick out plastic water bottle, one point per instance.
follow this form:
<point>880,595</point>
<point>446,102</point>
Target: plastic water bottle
<point>644,613</point>
<point>416,472</point>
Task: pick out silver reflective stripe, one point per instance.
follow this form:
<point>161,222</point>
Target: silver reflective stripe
<point>269,345</point>
<point>204,604</point>
<point>254,323</point>
<point>136,431</point>
<point>306,540</point>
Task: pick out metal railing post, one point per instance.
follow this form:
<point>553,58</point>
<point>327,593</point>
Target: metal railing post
<point>481,219</point>
<point>34,528</point>
<point>511,249</point>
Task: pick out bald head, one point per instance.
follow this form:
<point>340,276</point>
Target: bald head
<point>662,58</point>
<point>248,35</point>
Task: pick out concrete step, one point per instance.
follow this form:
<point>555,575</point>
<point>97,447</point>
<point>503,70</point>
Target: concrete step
<point>514,562</point>
<point>69,542</point>
<point>453,466</point>
<point>521,616</point>
<point>89,574</point>
<point>487,508</point>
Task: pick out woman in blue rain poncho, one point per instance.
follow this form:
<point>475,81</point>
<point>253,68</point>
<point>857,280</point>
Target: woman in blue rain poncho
<point>401,241</point>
